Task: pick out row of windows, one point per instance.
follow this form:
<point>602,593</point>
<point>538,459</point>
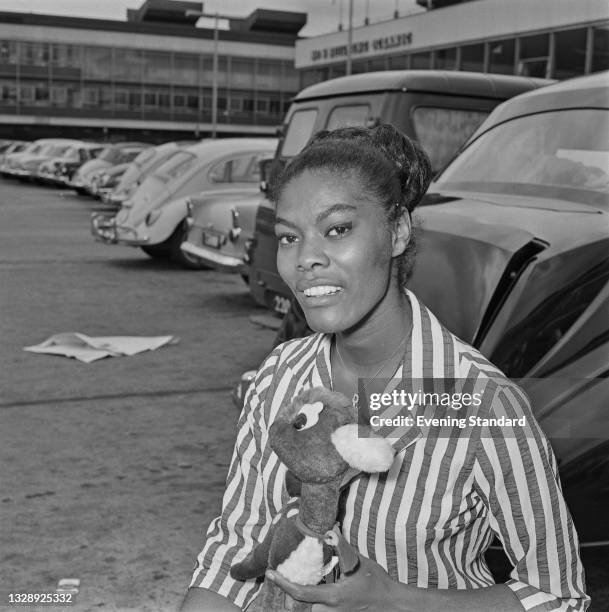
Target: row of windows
<point>148,66</point>
<point>558,55</point>
<point>167,100</point>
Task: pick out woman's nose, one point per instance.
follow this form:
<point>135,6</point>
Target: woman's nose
<point>311,255</point>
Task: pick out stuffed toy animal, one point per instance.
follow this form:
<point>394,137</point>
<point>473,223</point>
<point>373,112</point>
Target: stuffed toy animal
<point>318,438</point>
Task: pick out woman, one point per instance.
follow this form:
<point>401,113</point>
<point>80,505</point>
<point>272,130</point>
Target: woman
<point>343,221</point>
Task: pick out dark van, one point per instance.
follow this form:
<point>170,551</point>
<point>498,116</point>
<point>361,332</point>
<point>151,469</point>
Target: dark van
<point>439,109</point>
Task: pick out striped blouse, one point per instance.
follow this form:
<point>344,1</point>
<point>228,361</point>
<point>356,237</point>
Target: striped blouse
<point>429,520</point>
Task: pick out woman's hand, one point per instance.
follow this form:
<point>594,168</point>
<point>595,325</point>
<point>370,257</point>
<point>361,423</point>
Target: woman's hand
<point>369,588</point>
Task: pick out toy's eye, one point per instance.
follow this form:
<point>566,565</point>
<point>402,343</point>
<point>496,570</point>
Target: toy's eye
<point>308,416</point>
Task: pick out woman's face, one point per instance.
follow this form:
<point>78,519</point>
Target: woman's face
<point>335,249</point>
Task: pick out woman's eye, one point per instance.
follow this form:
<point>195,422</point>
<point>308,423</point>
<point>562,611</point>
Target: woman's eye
<point>286,239</point>
<point>338,231</point>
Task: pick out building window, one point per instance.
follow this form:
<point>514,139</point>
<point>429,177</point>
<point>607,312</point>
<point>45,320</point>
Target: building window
<point>377,64</point>
<point>26,94</point>
<point>445,59</point>
<point>242,72</point>
<point>600,48</point>
<point>420,61</point>
<point>156,66</point>
<point>91,97</point>
<point>262,106</point>
<point>8,93</point>
<point>268,75</point>
<point>398,62</point>
<point>8,52</point>
<point>98,63</point>
<point>35,54</point>
<point>236,104</point>
<point>128,65</point>
<point>164,100</point>
<point>135,100</point>
<point>185,69</point>
<point>313,75</point>
<point>289,79</point>
<point>359,67</point>
<point>472,58</point>
<point>121,98</point>
<point>66,56</point>
<point>207,71</point>
<point>149,98</point>
<point>501,56</point>
<point>533,60</point>
<point>570,53</point>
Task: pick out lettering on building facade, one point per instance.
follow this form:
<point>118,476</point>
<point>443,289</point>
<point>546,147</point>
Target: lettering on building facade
<point>365,46</point>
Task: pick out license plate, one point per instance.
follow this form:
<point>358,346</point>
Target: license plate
<point>212,240</point>
<point>280,304</point>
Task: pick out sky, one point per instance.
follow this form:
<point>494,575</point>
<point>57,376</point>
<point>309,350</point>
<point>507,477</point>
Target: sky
<point>323,15</point>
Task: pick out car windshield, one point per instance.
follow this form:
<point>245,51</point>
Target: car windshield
<point>59,150</point>
<point>71,153</point>
<point>111,155</point>
<point>561,154</point>
<point>144,157</point>
<point>175,166</point>
<point>299,131</point>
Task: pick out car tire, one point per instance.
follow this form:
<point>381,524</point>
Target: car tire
<point>177,255</point>
<point>156,251</point>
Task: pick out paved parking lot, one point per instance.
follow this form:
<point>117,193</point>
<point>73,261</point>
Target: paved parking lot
<point>111,470</point>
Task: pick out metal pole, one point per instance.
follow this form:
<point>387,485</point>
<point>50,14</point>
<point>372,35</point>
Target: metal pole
<point>214,83</point>
<point>349,37</point>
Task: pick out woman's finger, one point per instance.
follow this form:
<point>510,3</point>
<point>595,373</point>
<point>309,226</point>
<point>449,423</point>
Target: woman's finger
<point>322,593</point>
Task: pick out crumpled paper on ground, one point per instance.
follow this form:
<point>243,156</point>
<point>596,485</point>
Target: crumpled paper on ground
<point>88,349</point>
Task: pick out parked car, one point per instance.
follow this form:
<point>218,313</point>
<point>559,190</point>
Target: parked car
<point>143,164</point>
<point>441,110</point>
<point>104,181</point>
<point>14,147</point>
<point>154,217</point>
<point>513,257</point>
<point>220,224</point>
<point>112,155</point>
<point>55,169</point>
<point>25,165</point>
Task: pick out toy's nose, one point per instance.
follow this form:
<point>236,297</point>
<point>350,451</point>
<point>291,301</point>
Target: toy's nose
<point>300,421</point>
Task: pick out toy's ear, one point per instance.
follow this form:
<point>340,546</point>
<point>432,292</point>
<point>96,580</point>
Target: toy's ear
<point>362,449</point>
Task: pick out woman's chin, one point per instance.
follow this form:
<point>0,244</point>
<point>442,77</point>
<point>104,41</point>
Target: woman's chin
<point>325,322</point>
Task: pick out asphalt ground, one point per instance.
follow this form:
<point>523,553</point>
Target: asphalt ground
<point>111,471</point>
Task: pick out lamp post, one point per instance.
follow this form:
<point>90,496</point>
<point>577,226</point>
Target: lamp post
<point>214,83</point>
<point>349,38</point>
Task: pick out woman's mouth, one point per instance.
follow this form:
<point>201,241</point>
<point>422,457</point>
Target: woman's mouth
<point>321,290</point>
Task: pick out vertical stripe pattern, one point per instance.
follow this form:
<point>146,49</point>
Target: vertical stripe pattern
<point>429,520</point>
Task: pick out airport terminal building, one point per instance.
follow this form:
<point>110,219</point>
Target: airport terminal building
<point>149,77</point>
<point>542,38</point>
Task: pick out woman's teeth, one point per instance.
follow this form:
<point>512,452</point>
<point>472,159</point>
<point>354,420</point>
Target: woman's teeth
<point>321,290</point>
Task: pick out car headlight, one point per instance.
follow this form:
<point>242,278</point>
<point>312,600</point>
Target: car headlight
<point>152,216</point>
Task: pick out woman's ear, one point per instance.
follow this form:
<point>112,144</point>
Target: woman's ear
<point>401,233</point>
<point>362,449</point>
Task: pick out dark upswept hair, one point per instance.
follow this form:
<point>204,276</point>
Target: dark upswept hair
<point>391,167</point>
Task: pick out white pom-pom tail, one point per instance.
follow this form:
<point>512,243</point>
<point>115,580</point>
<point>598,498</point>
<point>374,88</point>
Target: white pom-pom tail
<point>367,453</point>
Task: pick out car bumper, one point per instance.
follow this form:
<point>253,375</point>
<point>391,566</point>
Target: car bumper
<point>105,229</point>
<point>214,259</point>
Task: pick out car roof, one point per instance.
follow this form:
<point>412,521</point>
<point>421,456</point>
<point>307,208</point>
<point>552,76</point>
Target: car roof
<point>590,91</point>
<point>497,86</point>
<point>231,145</point>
